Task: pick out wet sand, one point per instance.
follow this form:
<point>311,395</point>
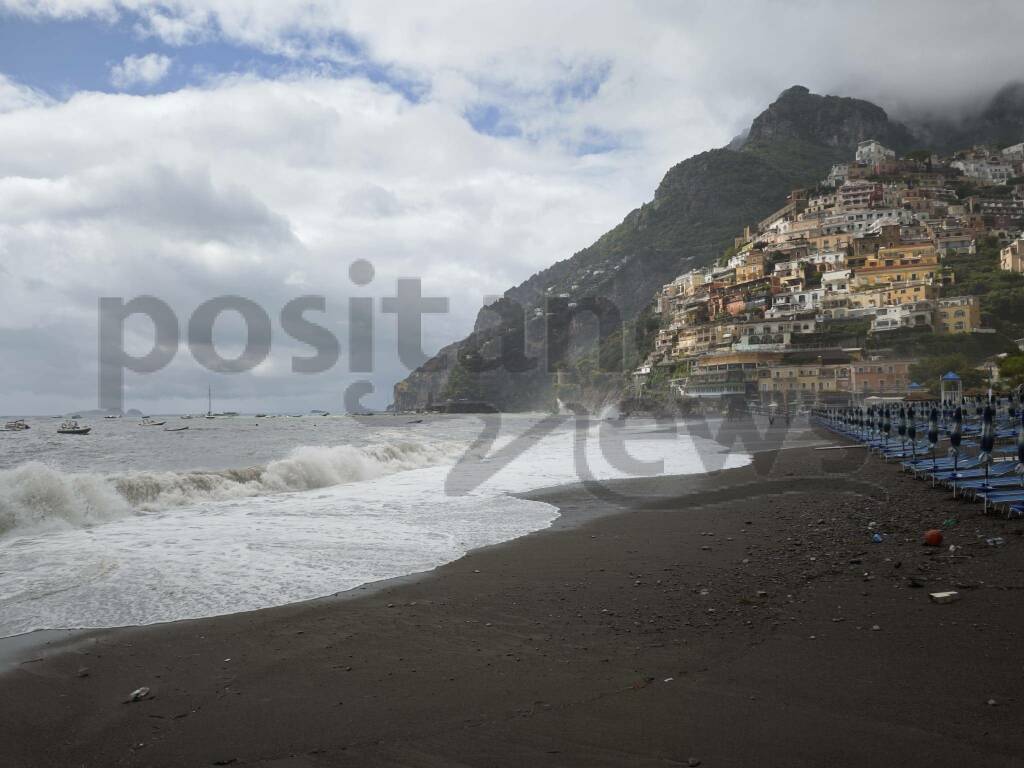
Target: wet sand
<point>742,618</point>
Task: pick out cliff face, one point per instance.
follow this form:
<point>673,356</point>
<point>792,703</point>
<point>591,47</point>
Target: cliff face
<point>826,121</point>
<point>698,208</point>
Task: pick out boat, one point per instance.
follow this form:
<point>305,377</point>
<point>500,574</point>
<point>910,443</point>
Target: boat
<point>148,422</point>
<point>18,425</point>
<point>209,402</point>
<point>71,427</point>
<point>175,429</point>
<point>112,416</point>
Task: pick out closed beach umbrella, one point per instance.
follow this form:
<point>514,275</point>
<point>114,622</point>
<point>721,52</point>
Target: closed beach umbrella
<point>1020,447</point>
<point>988,433</point>
<point>933,432</point>
<point>988,442</point>
<point>956,436</point>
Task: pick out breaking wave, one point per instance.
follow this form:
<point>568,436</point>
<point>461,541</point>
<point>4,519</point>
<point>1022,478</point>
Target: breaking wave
<point>35,497</point>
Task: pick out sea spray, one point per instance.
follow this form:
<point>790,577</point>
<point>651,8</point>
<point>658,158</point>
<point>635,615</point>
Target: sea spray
<point>36,498</point>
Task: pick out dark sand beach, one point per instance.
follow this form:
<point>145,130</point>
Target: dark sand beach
<point>742,618</point>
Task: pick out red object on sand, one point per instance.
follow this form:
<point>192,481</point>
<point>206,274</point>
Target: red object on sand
<point>933,538</point>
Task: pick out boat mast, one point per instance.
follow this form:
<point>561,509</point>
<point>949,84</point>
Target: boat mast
<point>209,400</point>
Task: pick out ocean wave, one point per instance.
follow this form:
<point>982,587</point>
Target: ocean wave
<point>35,497</point>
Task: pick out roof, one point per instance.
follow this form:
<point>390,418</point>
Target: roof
<point>950,376</point>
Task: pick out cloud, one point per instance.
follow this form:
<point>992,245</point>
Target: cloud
<point>470,144</point>
<point>144,71</point>
<point>269,189</point>
<point>14,96</point>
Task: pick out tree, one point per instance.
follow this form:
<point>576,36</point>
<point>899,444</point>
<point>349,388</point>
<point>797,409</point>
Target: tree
<point>1011,371</point>
<point>928,371</point>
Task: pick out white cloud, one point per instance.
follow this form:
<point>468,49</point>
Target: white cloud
<point>145,70</point>
<point>271,187</point>
<point>14,96</point>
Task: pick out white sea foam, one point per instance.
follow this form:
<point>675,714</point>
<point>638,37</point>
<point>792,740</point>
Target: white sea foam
<point>35,497</point>
<point>237,542</point>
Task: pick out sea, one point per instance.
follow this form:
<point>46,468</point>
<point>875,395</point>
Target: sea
<point>134,524</point>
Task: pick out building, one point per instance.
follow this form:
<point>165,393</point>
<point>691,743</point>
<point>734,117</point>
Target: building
<point>860,194</point>
<point>751,267</point>
<point>895,317</point>
<point>991,169</point>
<point>899,264</point>
<point>958,314</point>
<point>1014,154</point>
<point>871,152</point>
<point>880,377</point>
<point>1011,258</point>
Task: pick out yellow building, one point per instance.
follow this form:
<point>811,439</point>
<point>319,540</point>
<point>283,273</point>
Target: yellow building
<point>899,264</point>
<point>959,314</point>
<point>889,294</point>
<point>752,267</point>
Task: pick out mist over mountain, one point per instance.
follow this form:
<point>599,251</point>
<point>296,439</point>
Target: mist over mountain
<point>701,204</point>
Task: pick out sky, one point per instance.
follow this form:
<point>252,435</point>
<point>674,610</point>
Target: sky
<point>192,149</point>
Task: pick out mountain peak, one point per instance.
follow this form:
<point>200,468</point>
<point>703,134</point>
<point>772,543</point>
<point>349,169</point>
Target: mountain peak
<point>794,91</point>
<point>837,122</point>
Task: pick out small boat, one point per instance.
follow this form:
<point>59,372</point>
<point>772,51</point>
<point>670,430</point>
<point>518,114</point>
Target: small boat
<point>71,427</point>
<point>148,422</point>
<point>112,417</point>
<point>175,429</point>
<point>16,426</point>
<point>261,415</point>
<point>209,402</point>
<point>415,421</point>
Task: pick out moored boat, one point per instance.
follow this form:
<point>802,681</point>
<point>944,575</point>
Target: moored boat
<point>18,425</point>
<point>72,427</point>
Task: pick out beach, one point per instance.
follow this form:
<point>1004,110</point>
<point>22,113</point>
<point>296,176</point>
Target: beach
<point>742,617</point>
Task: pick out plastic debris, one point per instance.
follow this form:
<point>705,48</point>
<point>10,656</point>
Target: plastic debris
<point>995,541</point>
<point>944,597</point>
<point>877,538</point>
<point>139,694</point>
<point>933,538</point>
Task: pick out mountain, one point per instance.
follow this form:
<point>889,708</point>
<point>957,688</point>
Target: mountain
<point>999,124</point>
<point>698,208</point>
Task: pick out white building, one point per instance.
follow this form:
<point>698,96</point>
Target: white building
<point>838,175</point>
<point>1014,154</point>
<point>861,221</point>
<point>871,152</point>
<point>993,169</point>
<point>920,314</point>
<point>836,281</point>
<point>794,302</point>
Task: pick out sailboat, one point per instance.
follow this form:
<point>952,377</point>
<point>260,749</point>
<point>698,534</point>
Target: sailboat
<point>209,401</point>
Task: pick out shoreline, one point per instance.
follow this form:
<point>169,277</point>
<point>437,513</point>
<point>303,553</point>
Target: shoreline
<point>37,644</point>
<point>639,636</point>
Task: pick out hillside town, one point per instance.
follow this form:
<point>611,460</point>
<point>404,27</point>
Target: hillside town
<point>799,310</point>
